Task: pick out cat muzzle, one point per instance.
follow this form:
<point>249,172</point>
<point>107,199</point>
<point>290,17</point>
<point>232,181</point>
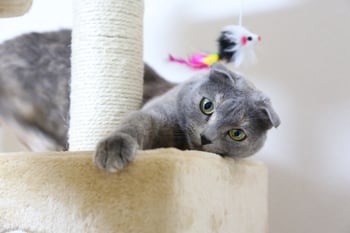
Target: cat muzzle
<point>205,140</point>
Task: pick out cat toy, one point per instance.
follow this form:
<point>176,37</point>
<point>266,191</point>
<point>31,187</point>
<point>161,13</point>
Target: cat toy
<point>235,44</point>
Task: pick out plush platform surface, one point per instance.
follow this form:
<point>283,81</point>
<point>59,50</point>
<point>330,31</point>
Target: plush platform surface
<point>162,191</point>
<point>11,8</point>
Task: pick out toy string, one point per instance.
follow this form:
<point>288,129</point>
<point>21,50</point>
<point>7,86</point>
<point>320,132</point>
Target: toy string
<point>241,14</point>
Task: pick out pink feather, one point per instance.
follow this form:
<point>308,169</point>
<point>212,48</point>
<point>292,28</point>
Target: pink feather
<point>194,61</point>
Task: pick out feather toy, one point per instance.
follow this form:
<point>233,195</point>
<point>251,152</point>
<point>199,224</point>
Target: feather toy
<point>236,45</point>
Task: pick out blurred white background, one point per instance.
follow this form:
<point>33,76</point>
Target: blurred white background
<point>304,63</point>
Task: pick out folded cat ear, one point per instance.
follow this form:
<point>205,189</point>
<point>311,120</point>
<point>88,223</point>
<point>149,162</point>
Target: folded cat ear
<point>219,72</point>
<point>271,115</point>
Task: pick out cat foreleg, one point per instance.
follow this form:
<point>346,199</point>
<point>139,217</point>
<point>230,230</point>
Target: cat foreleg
<point>136,132</point>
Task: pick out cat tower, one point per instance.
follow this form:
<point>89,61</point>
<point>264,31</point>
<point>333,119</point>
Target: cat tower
<point>162,191</point>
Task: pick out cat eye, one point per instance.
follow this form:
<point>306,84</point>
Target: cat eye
<point>206,106</point>
<point>237,134</point>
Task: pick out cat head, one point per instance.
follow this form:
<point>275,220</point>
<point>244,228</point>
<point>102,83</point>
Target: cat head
<point>226,114</point>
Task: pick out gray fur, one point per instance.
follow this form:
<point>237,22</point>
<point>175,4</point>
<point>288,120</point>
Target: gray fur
<point>34,88</point>
<point>175,120</point>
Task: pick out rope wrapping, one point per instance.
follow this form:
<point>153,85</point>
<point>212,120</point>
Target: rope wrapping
<point>107,67</point>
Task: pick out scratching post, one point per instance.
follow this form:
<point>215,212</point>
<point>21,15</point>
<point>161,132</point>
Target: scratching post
<point>107,68</point>
<point>12,8</point>
<point>162,191</point>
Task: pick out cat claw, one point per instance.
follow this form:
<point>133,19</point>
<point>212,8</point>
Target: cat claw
<point>115,152</point>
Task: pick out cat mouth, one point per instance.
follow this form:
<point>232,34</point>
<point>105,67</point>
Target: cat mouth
<point>196,146</point>
<point>207,148</point>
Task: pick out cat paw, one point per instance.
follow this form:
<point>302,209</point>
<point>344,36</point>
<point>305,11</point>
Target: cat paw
<point>115,152</point>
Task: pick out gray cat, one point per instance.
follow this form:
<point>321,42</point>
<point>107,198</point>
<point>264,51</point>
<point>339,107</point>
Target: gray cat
<point>218,112</point>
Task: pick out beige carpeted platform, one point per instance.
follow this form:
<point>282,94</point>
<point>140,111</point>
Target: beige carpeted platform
<point>163,191</point>
<point>12,8</point>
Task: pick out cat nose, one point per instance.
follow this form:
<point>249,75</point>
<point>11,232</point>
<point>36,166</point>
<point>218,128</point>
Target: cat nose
<point>205,140</point>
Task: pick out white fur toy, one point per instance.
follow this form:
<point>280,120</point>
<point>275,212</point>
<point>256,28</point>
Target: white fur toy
<point>236,44</point>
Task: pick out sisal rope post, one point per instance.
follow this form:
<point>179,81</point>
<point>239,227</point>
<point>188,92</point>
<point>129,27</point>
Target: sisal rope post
<point>107,67</point>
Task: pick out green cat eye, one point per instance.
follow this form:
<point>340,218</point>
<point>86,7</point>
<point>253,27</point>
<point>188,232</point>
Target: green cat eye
<point>206,106</point>
<point>237,134</point>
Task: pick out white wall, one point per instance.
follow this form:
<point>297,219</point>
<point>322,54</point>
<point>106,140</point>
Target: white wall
<point>304,62</point>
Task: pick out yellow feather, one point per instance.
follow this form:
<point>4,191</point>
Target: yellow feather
<point>211,58</point>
